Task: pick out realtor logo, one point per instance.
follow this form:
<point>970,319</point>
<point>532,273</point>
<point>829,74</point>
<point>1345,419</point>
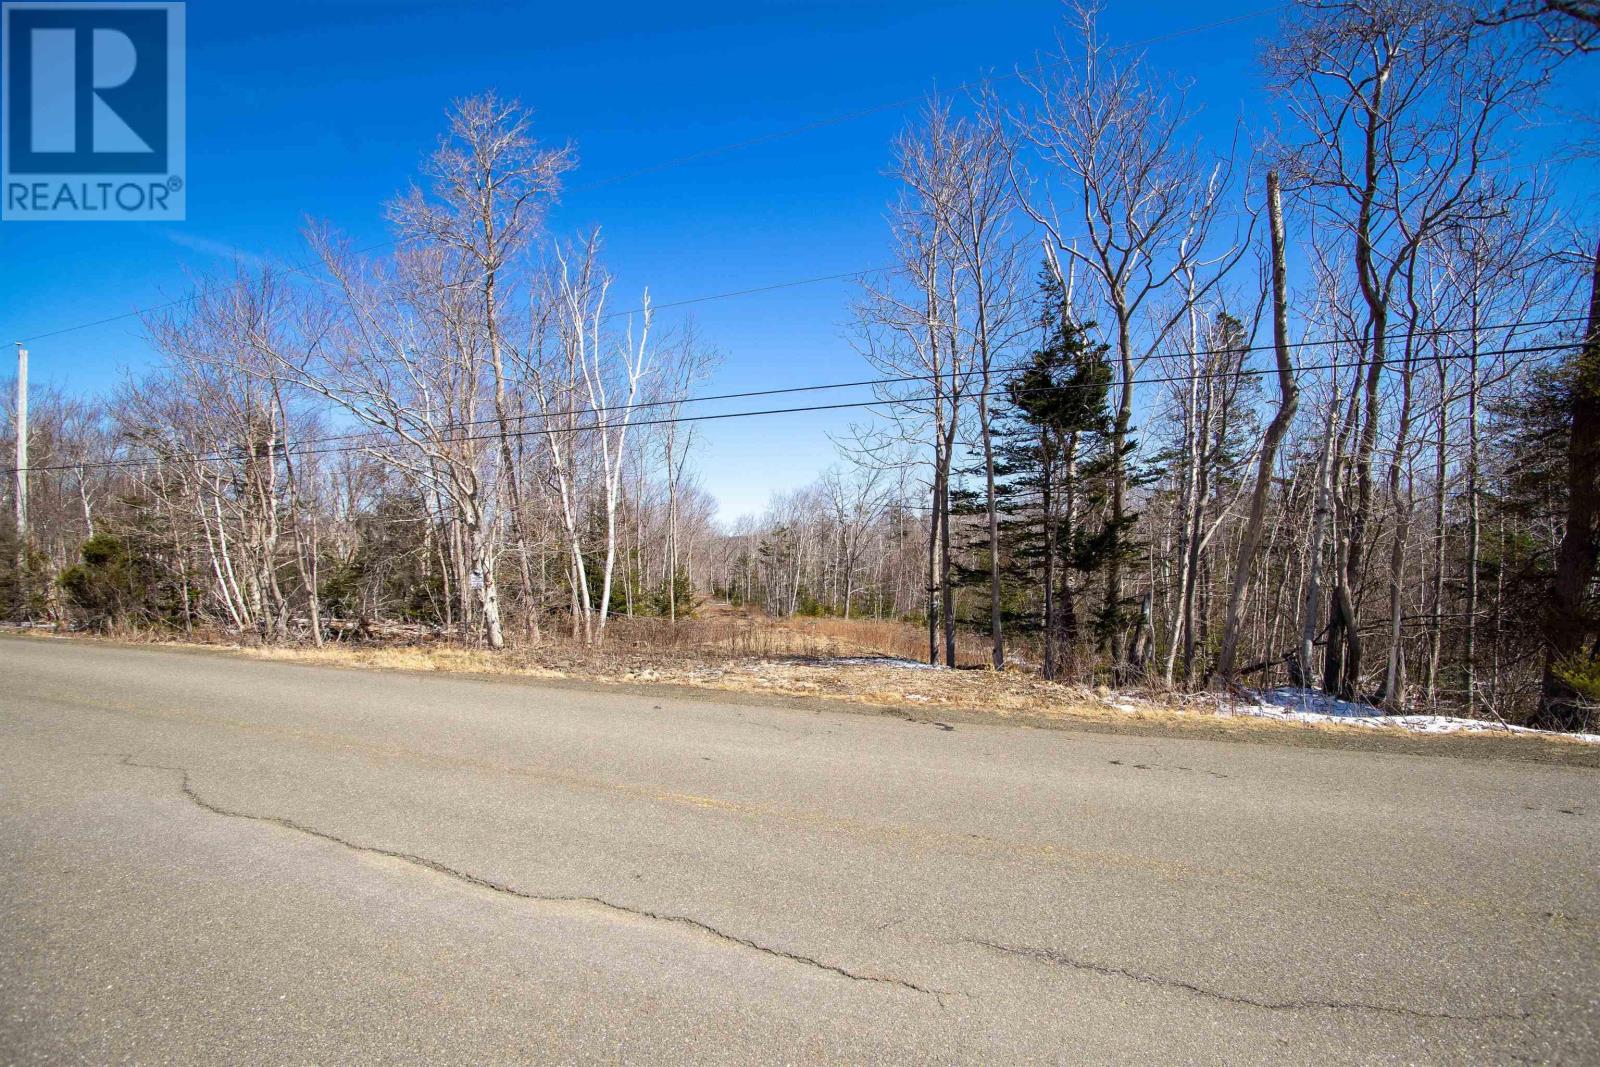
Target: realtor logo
<point>92,123</point>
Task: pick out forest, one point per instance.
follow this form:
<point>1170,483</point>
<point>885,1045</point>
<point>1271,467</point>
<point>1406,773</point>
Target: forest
<point>1317,407</point>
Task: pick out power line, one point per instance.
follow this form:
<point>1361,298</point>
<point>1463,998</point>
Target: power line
<point>305,269</point>
<point>380,435</point>
<point>300,451</point>
<point>374,434</point>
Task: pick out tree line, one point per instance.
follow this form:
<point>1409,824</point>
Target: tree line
<point>1318,406</point>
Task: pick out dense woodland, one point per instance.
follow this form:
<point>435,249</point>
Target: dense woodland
<point>1316,406</point>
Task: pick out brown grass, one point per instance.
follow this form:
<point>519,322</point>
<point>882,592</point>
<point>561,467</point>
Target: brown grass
<point>739,651</point>
<point>742,633</point>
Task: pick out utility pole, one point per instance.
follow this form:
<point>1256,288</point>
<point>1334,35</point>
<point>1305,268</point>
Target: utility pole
<point>22,445</point>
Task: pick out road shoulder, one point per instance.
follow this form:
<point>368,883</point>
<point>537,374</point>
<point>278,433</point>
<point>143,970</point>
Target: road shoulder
<point>1240,729</point>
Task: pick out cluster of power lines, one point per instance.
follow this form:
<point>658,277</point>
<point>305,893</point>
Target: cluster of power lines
<point>369,440</point>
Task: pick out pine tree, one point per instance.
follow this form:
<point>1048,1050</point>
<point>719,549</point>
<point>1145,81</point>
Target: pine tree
<point>1054,466</point>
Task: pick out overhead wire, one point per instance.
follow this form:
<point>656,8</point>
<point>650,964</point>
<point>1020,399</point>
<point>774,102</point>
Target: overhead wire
<point>390,438</point>
<point>381,434</point>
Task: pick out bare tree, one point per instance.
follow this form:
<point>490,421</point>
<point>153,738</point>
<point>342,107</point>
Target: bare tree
<point>405,353</point>
<point>688,363</point>
<point>1282,418</point>
<point>1567,26</point>
<point>1110,141</point>
<point>977,160</point>
<point>1399,105</point>
<point>911,328</point>
<point>490,185</point>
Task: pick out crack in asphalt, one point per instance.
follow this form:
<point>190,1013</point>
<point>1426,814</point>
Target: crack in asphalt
<point>1044,955</point>
<point>1161,767</point>
<point>494,886</point>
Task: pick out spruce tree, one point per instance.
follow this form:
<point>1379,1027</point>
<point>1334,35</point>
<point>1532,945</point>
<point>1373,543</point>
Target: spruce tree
<point>1054,463</point>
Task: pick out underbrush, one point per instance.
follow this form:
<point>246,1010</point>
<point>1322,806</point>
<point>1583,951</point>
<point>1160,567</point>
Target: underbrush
<point>718,635</point>
<point>743,634</point>
<point>860,661</point>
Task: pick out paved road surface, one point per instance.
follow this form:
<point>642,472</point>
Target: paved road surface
<point>212,860</point>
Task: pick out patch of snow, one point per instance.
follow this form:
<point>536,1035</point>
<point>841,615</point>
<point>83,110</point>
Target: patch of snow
<point>872,661</point>
<point>1313,706</point>
<point>1316,701</point>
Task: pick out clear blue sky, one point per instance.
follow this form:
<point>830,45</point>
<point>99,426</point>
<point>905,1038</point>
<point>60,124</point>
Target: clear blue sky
<point>325,108</point>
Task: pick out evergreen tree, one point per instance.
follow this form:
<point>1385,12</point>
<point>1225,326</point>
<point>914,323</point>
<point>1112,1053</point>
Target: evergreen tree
<point>1054,465</point>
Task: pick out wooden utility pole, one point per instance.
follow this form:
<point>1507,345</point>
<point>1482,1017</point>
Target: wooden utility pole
<point>22,444</point>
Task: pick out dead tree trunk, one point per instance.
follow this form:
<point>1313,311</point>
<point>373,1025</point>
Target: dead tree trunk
<point>1288,402</point>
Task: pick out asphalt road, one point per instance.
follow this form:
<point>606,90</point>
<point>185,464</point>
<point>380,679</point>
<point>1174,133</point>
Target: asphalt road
<point>213,860</point>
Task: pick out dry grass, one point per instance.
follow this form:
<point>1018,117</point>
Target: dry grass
<point>742,632</point>
<point>772,661</point>
<point>728,642</point>
<point>727,649</point>
<point>740,652</point>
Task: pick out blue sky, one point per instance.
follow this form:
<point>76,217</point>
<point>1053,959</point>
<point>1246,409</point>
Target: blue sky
<point>325,109</point>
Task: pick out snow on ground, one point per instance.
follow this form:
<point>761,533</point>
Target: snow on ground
<point>1314,701</point>
<point>871,661</point>
<point>1312,706</point>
